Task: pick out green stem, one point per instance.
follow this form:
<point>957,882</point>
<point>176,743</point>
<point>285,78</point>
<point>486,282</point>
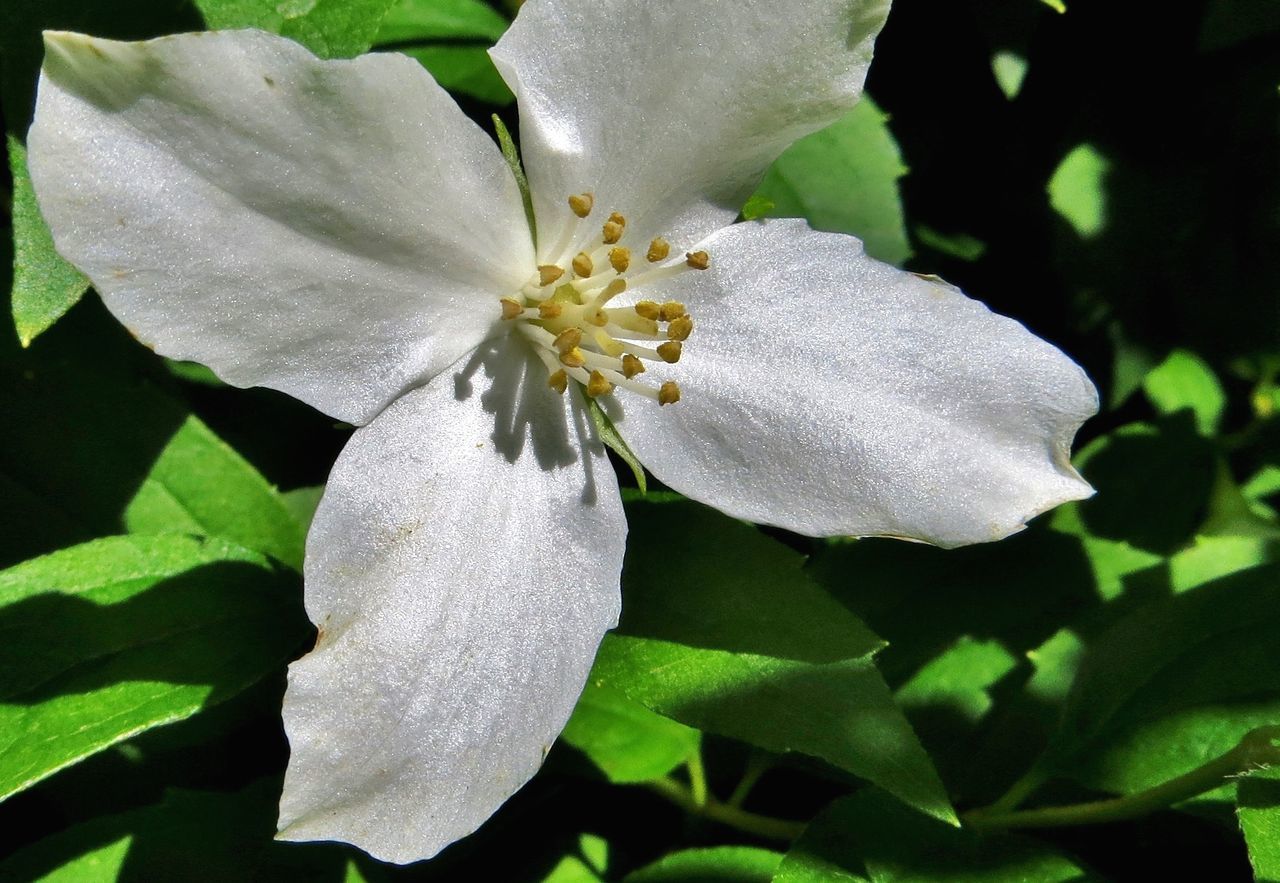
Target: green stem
<point>762,826</point>
<point>1256,750</point>
<point>698,779</point>
<point>758,763</point>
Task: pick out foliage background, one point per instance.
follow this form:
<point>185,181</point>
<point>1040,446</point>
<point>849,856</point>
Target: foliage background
<point>1108,177</point>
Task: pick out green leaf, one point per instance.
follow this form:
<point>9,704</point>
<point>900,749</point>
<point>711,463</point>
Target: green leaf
<point>94,448</point>
<point>1258,809</point>
<point>465,69</point>
<point>44,285</point>
<point>613,440</point>
<point>329,28</point>
<point>719,864</point>
<point>411,21</point>
<point>105,640</point>
<point>746,646</point>
<point>959,679</point>
<point>628,742</point>
<point>1078,191</point>
<point>1173,684</point>
<point>586,865</point>
<point>1185,381</point>
<point>1009,69</point>
<point>868,838</point>
<point>188,836</point>
<point>845,179</point>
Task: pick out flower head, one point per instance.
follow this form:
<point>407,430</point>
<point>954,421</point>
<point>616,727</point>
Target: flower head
<point>339,230</point>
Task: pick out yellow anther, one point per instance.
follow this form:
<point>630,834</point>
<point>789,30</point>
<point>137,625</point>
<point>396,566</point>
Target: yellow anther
<point>631,366</point>
<point>680,328</point>
<point>668,393</point>
<point>620,258</point>
<point>598,386</point>
<point>549,310</point>
<point>548,274</point>
<point>699,260</point>
<point>597,317</point>
<point>582,264</point>
<point>582,204</point>
<point>648,309</point>
<point>670,351</point>
<point>511,308</point>
<point>617,218</point>
<point>573,358</point>
<point>658,250</point>
<point>672,309</point>
<point>611,232</point>
<point>559,381</point>
<point>567,340</point>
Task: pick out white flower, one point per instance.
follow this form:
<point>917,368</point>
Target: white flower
<point>339,230</point>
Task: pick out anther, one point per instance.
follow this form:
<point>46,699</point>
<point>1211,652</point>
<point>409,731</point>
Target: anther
<point>658,250</point>
<point>582,204</point>
<point>680,328</point>
<point>573,358</point>
<point>670,351</point>
<point>511,308</point>
<point>582,265</point>
<point>598,386</point>
<point>668,393</point>
<point>559,381</point>
<point>671,310</point>
<point>617,218</point>
<point>620,258</point>
<point>631,366</point>
<point>611,232</point>
<point>699,260</point>
<point>567,340</point>
<point>549,310</point>
<point>648,309</point>
<point>548,274</point>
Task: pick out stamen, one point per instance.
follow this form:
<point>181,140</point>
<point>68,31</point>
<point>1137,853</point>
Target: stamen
<point>511,308</point>
<point>567,340</point>
<point>559,381</point>
<point>574,358</point>
<point>582,204</point>
<point>548,274</point>
<point>672,309</point>
<point>627,318</point>
<point>549,310</point>
<point>658,250</point>
<point>670,351</point>
<point>611,232</point>
<point>596,317</point>
<point>612,290</point>
<point>631,366</point>
<point>598,386</point>
<point>620,258</point>
<point>680,329</point>
<point>648,309</point>
<point>699,260</point>
<point>582,265</point>
<point>607,344</point>
<point>668,393</point>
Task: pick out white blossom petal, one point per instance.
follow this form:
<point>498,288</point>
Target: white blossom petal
<point>462,568</point>
<point>829,393</point>
<point>327,228</point>
<point>671,112</point>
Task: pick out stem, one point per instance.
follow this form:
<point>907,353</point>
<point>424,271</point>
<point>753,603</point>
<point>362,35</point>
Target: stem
<point>762,826</point>
<point>698,790</point>
<point>758,764</point>
<point>1256,749</point>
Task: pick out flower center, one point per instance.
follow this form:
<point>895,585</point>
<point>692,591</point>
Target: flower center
<point>564,312</point>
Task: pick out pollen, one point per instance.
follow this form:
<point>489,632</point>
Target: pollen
<point>563,309</point>
<point>582,204</point>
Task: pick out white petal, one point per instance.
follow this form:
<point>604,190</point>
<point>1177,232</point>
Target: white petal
<point>671,112</point>
<point>462,568</point>
<point>828,393</point>
<point>338,230</point>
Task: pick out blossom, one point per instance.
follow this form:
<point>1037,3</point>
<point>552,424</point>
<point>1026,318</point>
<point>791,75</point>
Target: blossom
<point>341,231</point>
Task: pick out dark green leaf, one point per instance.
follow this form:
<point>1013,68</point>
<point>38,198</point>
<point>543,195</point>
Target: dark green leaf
<point>845,179</point>
<point>329,28</point>
<point>105,640</point>
<point>1185,381</point>
<point>44,285</point>
<point>719,864</point>
<point>1258,809</point>
<point>413,21</point>
<point>465,69</point>
<point>723,631</point>
<point>869,838</point>
<point>586,865</point>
